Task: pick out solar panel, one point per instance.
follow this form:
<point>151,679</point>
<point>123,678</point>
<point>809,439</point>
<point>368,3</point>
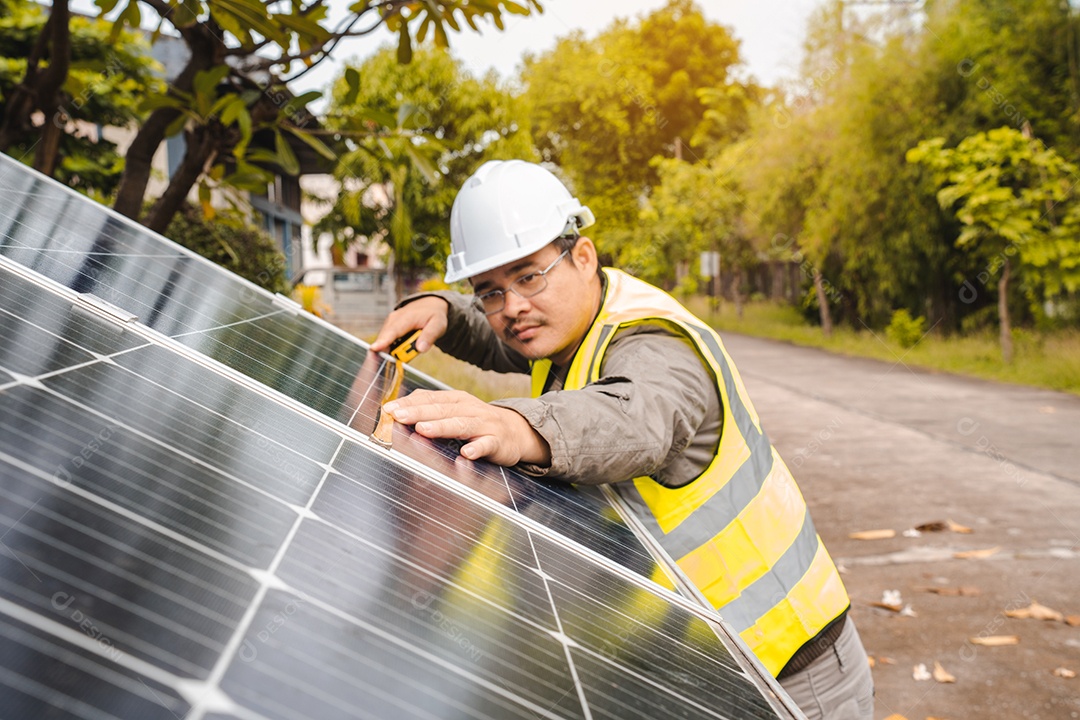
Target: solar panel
<point>194,523</point>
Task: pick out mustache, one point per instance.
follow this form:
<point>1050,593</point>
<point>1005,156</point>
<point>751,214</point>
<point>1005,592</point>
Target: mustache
<point>510,331</point>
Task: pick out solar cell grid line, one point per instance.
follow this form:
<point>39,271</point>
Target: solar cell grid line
<point>471,600</point>
<point>421,442</point>
<point>85,246</point>
<point>241,440</point>
<point>325,389</point>
<point>470,463</point>
<point>295,354</point>
<point>41,334</point>
<point>544,532</point>
<point>135,689</point>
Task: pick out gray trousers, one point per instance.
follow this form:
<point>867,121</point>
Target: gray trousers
<point>837,685</point>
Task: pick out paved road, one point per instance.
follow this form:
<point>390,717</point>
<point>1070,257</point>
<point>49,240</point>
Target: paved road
<point>878,445</point>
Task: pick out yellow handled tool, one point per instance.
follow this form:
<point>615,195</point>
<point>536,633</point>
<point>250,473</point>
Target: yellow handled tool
<point>402,350</point>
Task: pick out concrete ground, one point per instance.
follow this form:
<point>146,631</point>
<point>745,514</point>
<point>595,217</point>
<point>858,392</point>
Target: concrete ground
<point>884,446</point>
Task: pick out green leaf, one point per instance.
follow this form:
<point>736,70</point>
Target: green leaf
<point>314,143</point>
<point>286,157</point>
<point>243,121</point>
<point>186,13</point>
<point>250,181</point>
<point>154,102</point>
<point>232,110</point>
<point>176,126</point>
<point>421,33</point>
<point>221,103</point>
<point>206,81</point>
<point>262,155</point>
<point>441,41</point>
<point>204,200</point>
<point>404,49</point>
<point>231,24</point>
<point>421,163</point>
<point>514,8</point>
<point>302,100</point>
<point>352,80</point>
<point>130,16</point>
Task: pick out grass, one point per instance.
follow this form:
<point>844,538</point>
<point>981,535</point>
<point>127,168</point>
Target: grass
<point>1046,360</point>
<point>484,384</point>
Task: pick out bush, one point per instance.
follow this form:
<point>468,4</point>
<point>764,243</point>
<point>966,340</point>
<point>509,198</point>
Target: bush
<point>904,330</point>
<point>245,250</point>
<point>686,287</point>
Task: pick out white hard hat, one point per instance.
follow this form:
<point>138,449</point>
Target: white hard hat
<point>507,210</point>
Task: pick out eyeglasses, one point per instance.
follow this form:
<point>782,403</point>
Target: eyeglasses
<point>525,286</point>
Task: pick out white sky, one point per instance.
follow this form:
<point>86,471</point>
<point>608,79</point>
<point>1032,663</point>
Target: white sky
<point>770,31</point>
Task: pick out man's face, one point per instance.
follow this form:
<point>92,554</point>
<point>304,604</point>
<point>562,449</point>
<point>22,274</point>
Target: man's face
<point>552,323</point>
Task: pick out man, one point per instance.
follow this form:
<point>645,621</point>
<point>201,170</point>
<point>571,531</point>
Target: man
<point>630,388</point>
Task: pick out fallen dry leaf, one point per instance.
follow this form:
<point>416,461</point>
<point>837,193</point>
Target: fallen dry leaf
<point>933,526</point>
<point>1035,611</point>
<point>941,674</point>
<point>890,600</point>
<point>943,525</point>
<point>976,554</point>
<point>1073,620</point>
<point>920,673</point>
<point>886,661</point>
<point>958,528</point>
<point>1062,672</point>
<point>870,661</point>
<point>895,716</point>
<point>995,640</point>
<point>872,534</point>
<point>963,591</point>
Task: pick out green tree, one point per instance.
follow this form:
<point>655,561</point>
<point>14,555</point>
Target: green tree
<point>602,109</point>
<point>694,208</point>
<point>1007,191</point>
<point>825,170</point>
<point>250,50</point>
<point>415,134</point>
<point>105,84</point>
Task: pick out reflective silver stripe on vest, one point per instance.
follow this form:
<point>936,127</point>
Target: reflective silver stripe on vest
<point>723,507</point>
<point>772,587</point>
<point>604,332</point>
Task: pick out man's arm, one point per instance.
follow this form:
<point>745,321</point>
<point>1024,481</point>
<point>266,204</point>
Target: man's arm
<point>453,324</point>
<point>654,411</point>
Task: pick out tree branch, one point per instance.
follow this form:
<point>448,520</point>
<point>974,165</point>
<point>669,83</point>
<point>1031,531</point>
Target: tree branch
<point>390,7</point>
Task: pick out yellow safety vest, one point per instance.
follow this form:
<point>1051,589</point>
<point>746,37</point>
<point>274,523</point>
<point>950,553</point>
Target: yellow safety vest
<point>740,531</point>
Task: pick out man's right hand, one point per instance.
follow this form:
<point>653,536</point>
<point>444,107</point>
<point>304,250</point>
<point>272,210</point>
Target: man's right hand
<point>428,314</point>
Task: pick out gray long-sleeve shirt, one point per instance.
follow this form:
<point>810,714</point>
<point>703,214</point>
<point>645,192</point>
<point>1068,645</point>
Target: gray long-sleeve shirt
<point>654,411</point>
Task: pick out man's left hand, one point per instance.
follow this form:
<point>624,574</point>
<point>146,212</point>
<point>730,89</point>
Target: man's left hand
<point>499,434</point>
